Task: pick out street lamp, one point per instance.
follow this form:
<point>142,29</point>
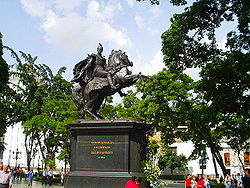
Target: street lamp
<point>16,154</point>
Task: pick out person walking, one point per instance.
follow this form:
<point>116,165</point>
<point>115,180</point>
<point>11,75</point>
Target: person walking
<point>228,181</point>
<point>50,177</point>
<point>246,179</point>
<point>200,182</point>
<point>6,178</point>
<point>45,177</point>
<point>239,180</point>
<point>207,182</point>
<point>30,176</point>
<point>188,181</point>
<point>133,183</point>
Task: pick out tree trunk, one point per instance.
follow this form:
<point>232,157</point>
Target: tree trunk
<point>215,166</point>
<point>215,152</point>
<point>241,162</point>
<point>27,152</point>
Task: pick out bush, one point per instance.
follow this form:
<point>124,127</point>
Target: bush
<point>217,185</point>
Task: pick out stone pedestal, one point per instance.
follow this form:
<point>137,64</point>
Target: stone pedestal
<point>106,153</point>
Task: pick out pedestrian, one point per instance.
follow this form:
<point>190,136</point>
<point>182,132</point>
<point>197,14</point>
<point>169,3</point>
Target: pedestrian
<point>246,179</point>
<point>21,174</point>
<point>221,179</point>
<point>6,178</point>
<point>194,182</point>
<point>18,173</point>
<point>50,177</point>
<point>134,182</point>
<point>234,181</point>
<point>200,182</point>
<point>228,181</point>
<point>30,176</point>
<point>188,181</point>
<point>45,177</point>
<point>239,180</point>
<point>207,182</point>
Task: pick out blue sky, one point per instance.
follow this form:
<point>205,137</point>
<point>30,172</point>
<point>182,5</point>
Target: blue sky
<point>63,32</point>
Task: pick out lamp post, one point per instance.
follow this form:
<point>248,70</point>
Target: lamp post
<point>9,157</point>
<point>16,154</point>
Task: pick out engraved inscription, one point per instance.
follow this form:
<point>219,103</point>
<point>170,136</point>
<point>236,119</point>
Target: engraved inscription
<point>102,152</point>
<point>101,149</point>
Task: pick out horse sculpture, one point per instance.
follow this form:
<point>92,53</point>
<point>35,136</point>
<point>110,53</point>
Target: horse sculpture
<point>89,96</point>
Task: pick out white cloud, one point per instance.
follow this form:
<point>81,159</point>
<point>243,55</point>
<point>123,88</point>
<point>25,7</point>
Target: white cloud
<point>66,5</point>
<point>153,67</point>
<point>35,8</point>
<point>193,73</point>
<point>222,44</point>
<point>97,11</point>
<point>156,11</point>
<point>142,24</point>
<point>131,3</point>
<point>73,31</point>
<point>139,22</point>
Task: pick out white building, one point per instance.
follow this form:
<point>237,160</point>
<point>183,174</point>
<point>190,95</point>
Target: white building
<point>15,152</point>
<point>230,159</point>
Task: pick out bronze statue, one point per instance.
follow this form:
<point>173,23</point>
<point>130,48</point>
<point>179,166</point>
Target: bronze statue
<point>98,80</point>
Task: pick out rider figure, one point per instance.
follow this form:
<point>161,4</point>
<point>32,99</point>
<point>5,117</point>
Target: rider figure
<point>97,62</point>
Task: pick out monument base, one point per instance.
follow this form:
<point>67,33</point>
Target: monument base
<point>100,180</point>
<point>106,153</point>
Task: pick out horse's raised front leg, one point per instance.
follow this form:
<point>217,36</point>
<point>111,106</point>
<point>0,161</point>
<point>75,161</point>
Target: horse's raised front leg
<point>78,100</point>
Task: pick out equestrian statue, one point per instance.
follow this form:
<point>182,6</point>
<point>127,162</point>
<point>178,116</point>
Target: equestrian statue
<point>97,80</point>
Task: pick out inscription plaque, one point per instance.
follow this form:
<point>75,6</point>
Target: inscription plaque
<point>102,152</point>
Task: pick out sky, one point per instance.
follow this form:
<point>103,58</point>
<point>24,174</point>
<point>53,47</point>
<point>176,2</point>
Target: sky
<point>63,32</point>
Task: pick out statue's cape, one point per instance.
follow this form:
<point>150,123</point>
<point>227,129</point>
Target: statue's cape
<point>87,75</point>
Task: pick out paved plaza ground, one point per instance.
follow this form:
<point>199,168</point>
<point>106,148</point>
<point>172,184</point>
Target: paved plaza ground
<point>24,184</point>
<point>35,184</point>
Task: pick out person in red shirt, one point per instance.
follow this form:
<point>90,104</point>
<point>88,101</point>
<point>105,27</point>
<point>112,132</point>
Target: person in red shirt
<point>188,181</point>
<point>133,183</point>
<point>201,182</point>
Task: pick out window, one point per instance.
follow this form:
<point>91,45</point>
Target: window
<point>246,158</point>
<point>227,158</point>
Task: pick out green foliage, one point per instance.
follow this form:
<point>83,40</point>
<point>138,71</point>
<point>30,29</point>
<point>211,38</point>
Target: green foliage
<point>50,125</point>
<point>221,107</point>
<point>217,185</point>
<point>4,73</point>
<point>216,106</point>
<point>159,157</point>
<point>42,102</point>
<point>164,102</point>
<point>172,161</point>
<point>4,78</point>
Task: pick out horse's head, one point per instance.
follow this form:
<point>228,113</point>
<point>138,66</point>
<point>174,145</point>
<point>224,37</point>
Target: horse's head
<point>125,60</point>
<point>119,58</point>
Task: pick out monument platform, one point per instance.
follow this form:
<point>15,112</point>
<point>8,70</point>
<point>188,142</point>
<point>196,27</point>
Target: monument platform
<point>106,153</point>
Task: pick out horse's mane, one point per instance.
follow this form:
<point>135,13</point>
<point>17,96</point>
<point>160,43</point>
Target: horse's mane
<point>112,56</point>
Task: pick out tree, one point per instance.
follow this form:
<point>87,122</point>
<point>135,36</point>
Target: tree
<point>4,74</point>
<point>40,98</point>
<point>50,129</point>
<point>164,103</point>
<point>4,78</point>
<point>223,91</point>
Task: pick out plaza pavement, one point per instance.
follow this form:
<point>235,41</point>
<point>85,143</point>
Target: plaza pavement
<point>173,184</point>
<point>35,184</point>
